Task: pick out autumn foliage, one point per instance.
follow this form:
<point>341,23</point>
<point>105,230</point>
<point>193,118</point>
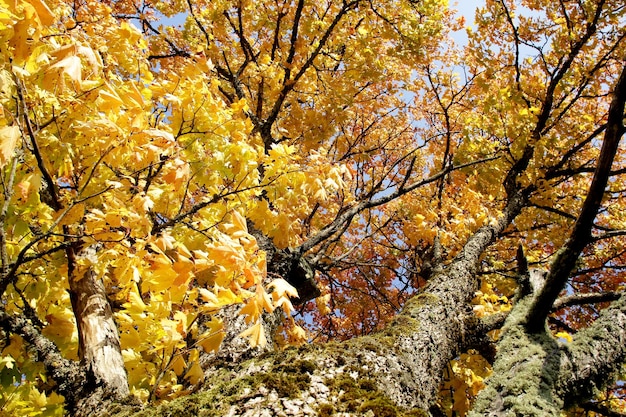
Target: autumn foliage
<point>150,145</point>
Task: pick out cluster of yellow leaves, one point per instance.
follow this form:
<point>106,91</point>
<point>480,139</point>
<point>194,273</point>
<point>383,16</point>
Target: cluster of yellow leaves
<point>487,301</point>
<point>172,309</point>
<point>20,396</point>
<point>465,379</point>
<point>122,171</point>
<point>297,186</point>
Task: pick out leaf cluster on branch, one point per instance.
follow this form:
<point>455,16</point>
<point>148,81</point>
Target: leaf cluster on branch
<point>180,198</point>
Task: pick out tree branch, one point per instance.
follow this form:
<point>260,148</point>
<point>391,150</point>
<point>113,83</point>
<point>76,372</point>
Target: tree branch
<point>602,409</point>
<point>595,353</point>
<point>68,375</point>
<point>51,189</point>
<point>566,257</point>
<point>349,214</point>
<point>588,298</point>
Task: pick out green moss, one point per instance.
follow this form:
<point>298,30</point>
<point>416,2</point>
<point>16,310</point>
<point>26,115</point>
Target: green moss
<point>381,407</point>
<point>288,374</point>
<point>325,410</point>
<point>342,382</point>
<point>361,394</point>
<point>120,410</point>
<point>300,366</point>
<point>535,357</point>
<point>286,384</point>
<point>379,344</point>
<point>368,384</point>
<point>421,300</point>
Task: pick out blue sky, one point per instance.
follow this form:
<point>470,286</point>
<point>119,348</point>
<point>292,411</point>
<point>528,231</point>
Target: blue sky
<point>467,9</point>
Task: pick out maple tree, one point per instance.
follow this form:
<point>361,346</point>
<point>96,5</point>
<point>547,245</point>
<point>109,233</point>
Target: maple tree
<point>312,208</point>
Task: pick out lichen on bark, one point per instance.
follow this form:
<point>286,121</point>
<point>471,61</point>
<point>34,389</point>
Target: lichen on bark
<point>522,383</point>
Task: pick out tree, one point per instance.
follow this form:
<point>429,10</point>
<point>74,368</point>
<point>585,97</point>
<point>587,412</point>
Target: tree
<point>312,208</point>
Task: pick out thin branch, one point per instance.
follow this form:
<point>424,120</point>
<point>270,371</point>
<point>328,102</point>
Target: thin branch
<point>207,38</point>
<point>587,298</point>
<point>50,184</point>
<point>289,83</point>
<point>348,215</point>
<point>8,193</point>
<point>11,274</point>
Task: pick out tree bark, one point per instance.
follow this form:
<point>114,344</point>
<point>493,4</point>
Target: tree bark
<point>397,370</point>
<point>68,375</point>
<point>537,375</point>
<point>534,374</point>
<point>99,342</point>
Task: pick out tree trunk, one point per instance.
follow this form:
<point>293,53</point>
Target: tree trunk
<point>99,342</point>
<point>537,375</point>
<point>395,371</point>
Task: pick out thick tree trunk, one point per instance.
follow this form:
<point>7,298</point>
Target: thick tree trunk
<point>534,374</point>
<point>398,370</point>
<point>537,375</point>
<point>99,342</point>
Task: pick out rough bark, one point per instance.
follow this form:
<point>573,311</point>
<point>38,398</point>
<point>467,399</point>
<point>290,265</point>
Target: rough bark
<point>594,355</point>
<point>382,374</point>
<point>68,375</point>
<point>534,375</point>
<point>580,237</point>
<point>537,375</point>
<point>393,372</point>
<point>398,371</point>
<point>289,265</point>
<point>99,342</point>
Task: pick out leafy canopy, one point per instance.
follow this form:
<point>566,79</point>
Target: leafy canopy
<point>351,131</point>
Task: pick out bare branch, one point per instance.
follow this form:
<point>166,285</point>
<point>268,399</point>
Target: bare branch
<point>586,298</point>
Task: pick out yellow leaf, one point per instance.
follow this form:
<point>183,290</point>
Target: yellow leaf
<point>178,365</point>
<point>298,335</point>
<point>161,277</point>
<point>6,362</point>
<point>565,336</point>
<point>45,14</point>
<point>108,99</point>
<point>282,288</point>
<point>37,398</point>
<point>263,298</point>
<point>323,303</point>
<point>211,340</point>
<point>239,221</point>
<point>281,294</point>
<point>61,326</point>
<point>195,373</point>
<point>181,327</point>
<point>134,304</point>
<point>73,215</point>
<point>255,335</point>
<point>71,66</point>
<point>251,310</point>
<point>8,140</point>
<point>207,296</point>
